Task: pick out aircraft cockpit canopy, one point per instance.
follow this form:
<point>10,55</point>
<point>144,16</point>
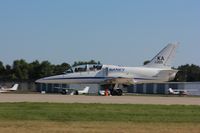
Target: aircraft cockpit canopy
<point>84,68</point>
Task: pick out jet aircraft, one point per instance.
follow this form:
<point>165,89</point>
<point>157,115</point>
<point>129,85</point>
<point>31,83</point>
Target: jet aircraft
<point>112,76</point>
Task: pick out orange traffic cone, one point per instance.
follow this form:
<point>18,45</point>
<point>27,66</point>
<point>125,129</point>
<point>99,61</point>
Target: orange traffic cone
<point>106,92</point>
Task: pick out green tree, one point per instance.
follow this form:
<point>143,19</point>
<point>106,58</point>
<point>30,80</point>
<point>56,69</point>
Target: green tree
<point>34,70</point>
<point>190,72</point>
<point>2,70</point>
<point>59,69</point>
<point>46,69</point>
<point>1,67</point>
<point>8,73</point>
<point>20,69</point>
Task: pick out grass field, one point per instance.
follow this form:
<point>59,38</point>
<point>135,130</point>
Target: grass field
<point>49,117</point>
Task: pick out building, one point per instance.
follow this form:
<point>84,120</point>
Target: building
<point>193,88</point>
<point>57,88</point>
<point>150,88</point>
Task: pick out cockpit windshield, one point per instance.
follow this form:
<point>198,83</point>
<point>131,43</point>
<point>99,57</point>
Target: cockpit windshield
<point>84,68</point>
<point>94,67</point>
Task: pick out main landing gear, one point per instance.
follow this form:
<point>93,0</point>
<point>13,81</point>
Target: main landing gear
<point>117,92</point>
<point>114,91</point>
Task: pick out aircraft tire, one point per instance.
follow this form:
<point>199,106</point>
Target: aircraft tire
<point>63,92</point>
<point>117,92</point>
<point>76,92</point>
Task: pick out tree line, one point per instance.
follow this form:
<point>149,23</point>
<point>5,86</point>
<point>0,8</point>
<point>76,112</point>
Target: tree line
<point>21,70</point>
<point>188,73</point>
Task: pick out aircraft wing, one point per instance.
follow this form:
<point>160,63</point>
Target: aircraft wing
<point>119,80</point>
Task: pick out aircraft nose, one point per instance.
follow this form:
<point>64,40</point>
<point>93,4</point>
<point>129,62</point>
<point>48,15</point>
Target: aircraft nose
<point>40,80</point>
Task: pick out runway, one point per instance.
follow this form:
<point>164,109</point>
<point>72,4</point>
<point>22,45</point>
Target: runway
<point>100,99</point>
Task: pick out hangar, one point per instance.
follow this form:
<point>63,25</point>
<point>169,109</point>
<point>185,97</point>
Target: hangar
<point>149,88</point>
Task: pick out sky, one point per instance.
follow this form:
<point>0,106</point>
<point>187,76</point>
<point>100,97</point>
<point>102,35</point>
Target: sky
<point>120,32</point>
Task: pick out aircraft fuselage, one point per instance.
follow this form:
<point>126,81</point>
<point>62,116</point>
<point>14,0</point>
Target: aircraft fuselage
<point>134,74</point>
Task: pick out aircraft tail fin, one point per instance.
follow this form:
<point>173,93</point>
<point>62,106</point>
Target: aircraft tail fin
<point>170,90</point>
<point>164,57</point>
<point>84,91</point>
<point>15,87</point>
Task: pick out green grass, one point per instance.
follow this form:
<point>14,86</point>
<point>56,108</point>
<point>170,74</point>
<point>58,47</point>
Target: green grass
<point>99,112</point>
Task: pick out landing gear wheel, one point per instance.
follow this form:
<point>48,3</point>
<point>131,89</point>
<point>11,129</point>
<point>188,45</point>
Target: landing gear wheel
<point>117,92</point>
<point>63,92</point>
